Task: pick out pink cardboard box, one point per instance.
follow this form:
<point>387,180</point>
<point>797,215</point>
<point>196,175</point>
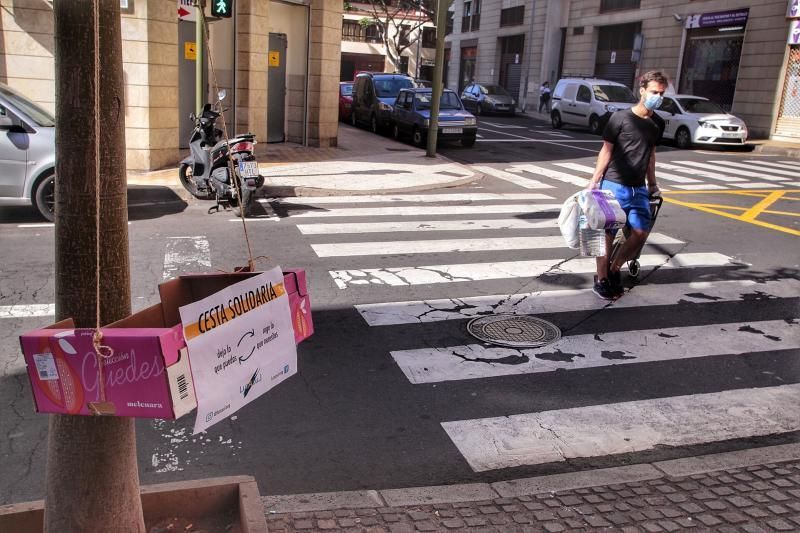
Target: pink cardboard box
<point>149,375</point>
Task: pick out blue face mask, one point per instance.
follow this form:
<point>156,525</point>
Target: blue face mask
<point>653,101</point>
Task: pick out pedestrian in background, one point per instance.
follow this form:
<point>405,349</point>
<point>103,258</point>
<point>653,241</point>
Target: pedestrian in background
<point>626,166</point>
<point>544,96</point>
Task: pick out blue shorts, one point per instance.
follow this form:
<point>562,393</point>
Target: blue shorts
<point>635,201</point>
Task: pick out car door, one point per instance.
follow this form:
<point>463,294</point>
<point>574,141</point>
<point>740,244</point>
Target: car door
<point>583,105</point>
<point>669,111</point>
<point>467,97</point>
<point>14,143</point>
<point>567,104</point>
<point>401,111</point>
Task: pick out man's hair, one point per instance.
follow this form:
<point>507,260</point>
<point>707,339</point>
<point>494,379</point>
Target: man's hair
<point>653,75</point>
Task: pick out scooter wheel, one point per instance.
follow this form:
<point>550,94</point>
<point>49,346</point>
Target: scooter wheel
<point>633,268</point>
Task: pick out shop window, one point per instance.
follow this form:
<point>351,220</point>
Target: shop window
<point>512,16</point>
<point>711,64</point>
<point>618,5</point>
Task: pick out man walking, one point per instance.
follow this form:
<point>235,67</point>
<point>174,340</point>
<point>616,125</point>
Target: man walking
<point>544,96</point>
<point>626,166</point>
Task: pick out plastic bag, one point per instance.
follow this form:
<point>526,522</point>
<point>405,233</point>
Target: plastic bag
<point>601,209</point>
<point>569,220</point>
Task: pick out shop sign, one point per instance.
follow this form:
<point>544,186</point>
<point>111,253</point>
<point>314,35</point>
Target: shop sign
<point>794,9</point>
<point>719,18</point>
<point>794,32</point>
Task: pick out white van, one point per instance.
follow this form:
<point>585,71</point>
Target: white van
<point>588,102</point>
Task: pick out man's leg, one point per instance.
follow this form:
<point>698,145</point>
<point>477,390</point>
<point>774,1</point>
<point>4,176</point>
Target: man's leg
<point>629,249</point>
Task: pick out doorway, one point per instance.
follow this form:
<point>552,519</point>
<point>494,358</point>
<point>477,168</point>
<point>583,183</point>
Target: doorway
<point>276,88</point>
<point>187,54</point>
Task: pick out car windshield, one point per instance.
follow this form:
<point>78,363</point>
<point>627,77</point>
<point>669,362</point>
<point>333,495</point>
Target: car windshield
<point>698,105</point>
<point>496,90</point>
<point>613,93</point>
<point>449,100</point>
<point>38,114</point>
<point>347,90</point>
<point>389,87</point>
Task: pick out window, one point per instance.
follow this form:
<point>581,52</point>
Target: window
<point>613,93</point>
<point>353,31</point>
<point>403,67</point>
<point>512,16</point>
<point>669,106</point>
<point>584,94</point>
<point>403,39</point>
<point>618,5</point>
<point>448,28</point>
<point>471,19</point>
<point>429,37</point>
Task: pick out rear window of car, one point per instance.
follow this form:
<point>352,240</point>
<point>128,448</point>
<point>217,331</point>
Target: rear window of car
<point>449,100</point>
<point>390,87</point>
<point>347,90</point>
<point>696,105</point>
<point>496,89</point>
<point>613,93</point>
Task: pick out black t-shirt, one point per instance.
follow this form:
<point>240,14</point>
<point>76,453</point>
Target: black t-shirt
<point>634,139</point>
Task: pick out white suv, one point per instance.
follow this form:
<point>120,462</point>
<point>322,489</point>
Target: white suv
<point>588,102</point>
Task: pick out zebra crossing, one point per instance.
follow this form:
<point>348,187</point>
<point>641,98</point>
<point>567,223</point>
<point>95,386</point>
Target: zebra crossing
<point>712,175</point>
<point>413,261</point>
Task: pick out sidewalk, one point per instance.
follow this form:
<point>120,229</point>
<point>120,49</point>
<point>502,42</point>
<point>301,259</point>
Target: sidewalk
<point>750,491</point>
<point>362,163</point>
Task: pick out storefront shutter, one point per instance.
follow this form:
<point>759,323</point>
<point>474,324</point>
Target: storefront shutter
<point>788,124</point>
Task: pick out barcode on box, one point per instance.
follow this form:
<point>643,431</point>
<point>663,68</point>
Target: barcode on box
<point>183,388</point>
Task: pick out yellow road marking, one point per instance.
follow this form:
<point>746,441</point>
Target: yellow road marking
<point>712,191</point>
<point>757,209</point>
<point>699,207</point>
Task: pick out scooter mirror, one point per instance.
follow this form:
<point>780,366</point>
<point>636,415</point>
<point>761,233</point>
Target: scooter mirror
<point>222,94</point>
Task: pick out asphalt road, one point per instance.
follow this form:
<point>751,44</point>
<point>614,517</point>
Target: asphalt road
<point>399,395</point>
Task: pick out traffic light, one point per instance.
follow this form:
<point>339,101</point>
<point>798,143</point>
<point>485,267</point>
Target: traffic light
<point>221,8</point>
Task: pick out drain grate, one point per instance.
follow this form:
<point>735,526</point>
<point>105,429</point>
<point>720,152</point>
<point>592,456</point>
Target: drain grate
<point>513,331</point>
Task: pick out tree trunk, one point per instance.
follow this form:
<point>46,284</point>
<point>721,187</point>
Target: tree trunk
<point>92,481</point>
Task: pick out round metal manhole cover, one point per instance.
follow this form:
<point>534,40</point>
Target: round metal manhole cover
<point>514,331</point>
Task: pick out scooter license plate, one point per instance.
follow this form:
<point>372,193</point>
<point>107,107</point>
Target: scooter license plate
<point>248,169</point>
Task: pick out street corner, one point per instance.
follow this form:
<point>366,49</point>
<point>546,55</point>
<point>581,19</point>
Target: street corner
<point>363,177</point>
<point>777,210</point>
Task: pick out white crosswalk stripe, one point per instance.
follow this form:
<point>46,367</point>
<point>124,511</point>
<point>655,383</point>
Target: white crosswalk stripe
<point>512,178</point>
<point>554,174</point>
<point>738,171</point>
<point>759,167</point>
<point>774,164</point>
<point>501,441</point>
<point>660,175</point>
<point>608,429</point>
<point>411,198</point>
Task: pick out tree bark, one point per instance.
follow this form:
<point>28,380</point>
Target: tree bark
<point>92,481</point>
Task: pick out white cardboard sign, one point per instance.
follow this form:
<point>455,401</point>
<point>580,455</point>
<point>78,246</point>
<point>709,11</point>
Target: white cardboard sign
<point>241,344</point>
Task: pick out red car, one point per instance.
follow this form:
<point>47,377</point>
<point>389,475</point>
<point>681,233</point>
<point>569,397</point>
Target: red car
<point>345,100</point>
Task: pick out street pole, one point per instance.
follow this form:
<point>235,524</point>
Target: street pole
<point>528,57</point>
<point>91,479</point>
<point>436,91</point>
<point>199,97</point>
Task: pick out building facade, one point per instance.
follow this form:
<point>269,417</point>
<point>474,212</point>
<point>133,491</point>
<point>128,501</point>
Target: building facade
<point>738,53</point>
<point>363,48</point>
<point>278,61</point>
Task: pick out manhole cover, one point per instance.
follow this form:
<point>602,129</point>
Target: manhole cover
<point>513,331</point>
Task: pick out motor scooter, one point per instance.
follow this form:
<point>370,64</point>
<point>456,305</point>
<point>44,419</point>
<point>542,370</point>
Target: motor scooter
<point>206,173</point>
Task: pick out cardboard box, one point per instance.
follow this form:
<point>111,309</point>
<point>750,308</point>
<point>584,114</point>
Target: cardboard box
<point>149,373</point>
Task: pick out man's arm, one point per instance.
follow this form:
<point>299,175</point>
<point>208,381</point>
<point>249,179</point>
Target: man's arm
<point>652,186</point>
<point>603,160</point>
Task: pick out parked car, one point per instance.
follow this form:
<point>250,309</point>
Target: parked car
<point>696,120</point>
<point>480,98</point>
<point>412,113</point>
<point>27,153</point>
<point>374,94</point>
<point>345,100</point>
<point>588,102</point>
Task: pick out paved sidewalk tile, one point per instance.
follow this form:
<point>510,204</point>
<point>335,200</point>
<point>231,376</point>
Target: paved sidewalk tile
<point>750,498</point>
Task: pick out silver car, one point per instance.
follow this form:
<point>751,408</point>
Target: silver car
<point>481,99</point>
<point>27,153</point>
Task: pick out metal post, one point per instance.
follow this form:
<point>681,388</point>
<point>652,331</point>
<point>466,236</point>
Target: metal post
<point>436,91</point>
<point>199,97</point>
<point>529,58</point>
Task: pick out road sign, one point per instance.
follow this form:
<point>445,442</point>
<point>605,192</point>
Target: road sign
<point>190,51</point>
<point>274,58</point>
<point>186,10</point>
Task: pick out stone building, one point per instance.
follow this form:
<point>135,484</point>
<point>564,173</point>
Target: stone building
<point>278,60</point>
<point>738,53</point>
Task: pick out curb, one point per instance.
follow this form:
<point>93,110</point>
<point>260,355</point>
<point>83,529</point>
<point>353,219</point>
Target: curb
<point>771,149</point>
<point>282,191</point>
<point>473,492</point>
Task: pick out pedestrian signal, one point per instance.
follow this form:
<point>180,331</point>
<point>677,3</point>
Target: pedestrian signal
<point>221,8</point>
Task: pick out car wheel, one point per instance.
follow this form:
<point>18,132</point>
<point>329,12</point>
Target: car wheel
<point>44,199</point>
<point>468,141</point>
<point>683,139</point>
<point>555,119</point>
<point>418,137</point>
<point>373,124</point>
<point>396,132</point>
<point>594,124</point>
